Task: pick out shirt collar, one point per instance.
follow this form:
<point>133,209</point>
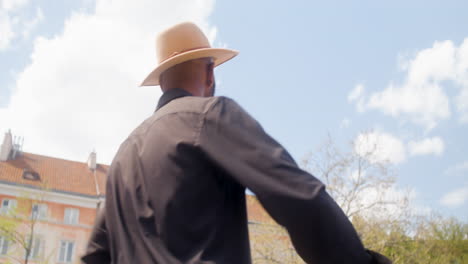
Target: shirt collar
<point>171,95</point>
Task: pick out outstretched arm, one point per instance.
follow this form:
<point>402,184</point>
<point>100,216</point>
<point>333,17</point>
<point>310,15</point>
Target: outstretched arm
<point>319,230</point>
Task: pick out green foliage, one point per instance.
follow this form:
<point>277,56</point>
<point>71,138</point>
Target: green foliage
<point>19,227</point>
<point>434,240</point>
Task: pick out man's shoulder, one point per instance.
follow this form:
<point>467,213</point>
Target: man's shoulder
<point>191,105</point>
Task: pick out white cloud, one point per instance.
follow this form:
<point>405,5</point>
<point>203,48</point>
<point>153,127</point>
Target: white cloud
<point>80,90</point>
<point>11,5</point>
<point>462,79</point>
<point>380,147</point>
<point>434,145</point>
<point>395,198</point>
<point>455,198</point>
<point>383,202</point>
<point>385,147</point>
<point>422,98</point>
<point>433,64</point>
<point>423,104</point>
<point>357,95</point>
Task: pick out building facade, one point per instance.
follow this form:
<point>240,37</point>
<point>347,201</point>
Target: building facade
<point>51,202</point>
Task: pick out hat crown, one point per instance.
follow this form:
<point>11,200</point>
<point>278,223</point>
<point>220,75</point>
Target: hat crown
<point>178,39</point>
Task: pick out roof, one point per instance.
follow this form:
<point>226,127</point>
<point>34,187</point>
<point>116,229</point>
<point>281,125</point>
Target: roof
<point>55,174</point>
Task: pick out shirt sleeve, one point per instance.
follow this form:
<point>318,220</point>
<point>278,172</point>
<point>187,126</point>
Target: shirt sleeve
<point>97,251</point>
<point>319,230</point>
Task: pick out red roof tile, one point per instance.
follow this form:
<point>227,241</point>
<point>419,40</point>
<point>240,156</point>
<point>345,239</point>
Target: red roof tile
<point>55,174</point>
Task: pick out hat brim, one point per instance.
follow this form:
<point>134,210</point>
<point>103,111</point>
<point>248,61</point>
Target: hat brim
<point>219,55</point>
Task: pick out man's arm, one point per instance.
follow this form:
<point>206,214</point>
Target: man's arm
<point>319,230</point>
<point>97,251</point>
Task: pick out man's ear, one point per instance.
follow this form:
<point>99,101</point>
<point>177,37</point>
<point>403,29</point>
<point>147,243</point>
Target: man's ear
<point>210,74</point>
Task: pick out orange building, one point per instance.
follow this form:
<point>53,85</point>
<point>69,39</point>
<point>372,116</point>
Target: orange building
<point>59,196</point>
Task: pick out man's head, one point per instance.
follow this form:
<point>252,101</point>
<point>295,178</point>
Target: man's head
<point>195,76</point>
<point>186,58</point>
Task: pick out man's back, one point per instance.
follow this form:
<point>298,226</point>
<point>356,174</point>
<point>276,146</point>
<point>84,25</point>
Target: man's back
<point>167,202</point>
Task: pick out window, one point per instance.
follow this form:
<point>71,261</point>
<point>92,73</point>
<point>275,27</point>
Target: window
<point>66,251</point>
<point>7,205</point>
<point>31,175</point>
<point>39,211</point>
<point>3,246</point>
<point>71,216</point>
<point>37,248</point>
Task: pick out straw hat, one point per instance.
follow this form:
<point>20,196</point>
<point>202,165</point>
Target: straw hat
<point>180,43</point>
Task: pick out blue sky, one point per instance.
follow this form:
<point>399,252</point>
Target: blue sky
<point>397,71</point>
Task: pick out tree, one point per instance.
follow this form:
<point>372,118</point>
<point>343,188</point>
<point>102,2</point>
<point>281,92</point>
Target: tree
<point>19,227</point>
<point>363,184</point>
<point>359,179</point>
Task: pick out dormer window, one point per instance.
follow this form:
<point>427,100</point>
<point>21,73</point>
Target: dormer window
<point>31,175</point>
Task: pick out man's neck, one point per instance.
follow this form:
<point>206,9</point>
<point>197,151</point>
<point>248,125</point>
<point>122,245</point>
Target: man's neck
<point>170,95</point>
<point>192,88</point>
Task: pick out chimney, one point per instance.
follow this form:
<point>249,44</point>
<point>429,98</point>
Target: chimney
<point>7,147</point>
<point>92,160</point>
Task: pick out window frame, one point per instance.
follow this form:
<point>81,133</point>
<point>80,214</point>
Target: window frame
<point>65,245</point>
<point>42,211</point>
<point>37,251</point>
<point>12,204</point>
<point>71,218</point>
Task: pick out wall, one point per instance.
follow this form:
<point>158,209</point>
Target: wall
<point>53,229</point>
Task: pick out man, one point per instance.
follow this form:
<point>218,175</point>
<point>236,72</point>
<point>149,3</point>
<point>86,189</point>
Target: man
<point>176,188</point>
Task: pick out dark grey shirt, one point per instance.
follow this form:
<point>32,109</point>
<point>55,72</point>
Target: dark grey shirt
<point>176,191</point>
